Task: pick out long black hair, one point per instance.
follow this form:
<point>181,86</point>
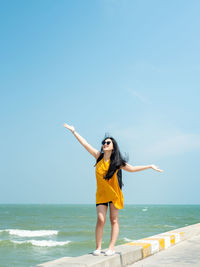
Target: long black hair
<point>116,161</point>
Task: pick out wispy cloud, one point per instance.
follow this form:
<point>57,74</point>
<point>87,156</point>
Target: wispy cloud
<point>174,144</point>
<point>139,96</point>
<point>146,141</point>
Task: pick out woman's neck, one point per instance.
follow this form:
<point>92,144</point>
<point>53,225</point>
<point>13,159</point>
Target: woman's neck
<point>107,155</point>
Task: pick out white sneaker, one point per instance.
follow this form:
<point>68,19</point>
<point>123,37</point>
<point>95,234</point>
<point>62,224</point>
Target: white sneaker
<point>109,252</point>
<point>96,252</point>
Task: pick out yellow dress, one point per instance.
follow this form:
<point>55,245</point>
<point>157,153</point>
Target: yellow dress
<point>107,190</point>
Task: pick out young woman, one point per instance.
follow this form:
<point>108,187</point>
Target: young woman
<point>109,163</point>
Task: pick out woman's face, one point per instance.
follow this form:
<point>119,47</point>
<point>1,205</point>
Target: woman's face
<point>107,145</point>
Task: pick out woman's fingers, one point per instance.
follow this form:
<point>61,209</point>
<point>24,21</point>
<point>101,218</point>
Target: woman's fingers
<point>70,127</point>
<point>66,125</point>
<point>156,168</point>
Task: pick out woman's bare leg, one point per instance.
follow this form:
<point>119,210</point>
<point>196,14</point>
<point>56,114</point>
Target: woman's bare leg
<point>101,220</point>
<point>114,212</point>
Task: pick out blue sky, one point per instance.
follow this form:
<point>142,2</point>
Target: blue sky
<point>130,68</point>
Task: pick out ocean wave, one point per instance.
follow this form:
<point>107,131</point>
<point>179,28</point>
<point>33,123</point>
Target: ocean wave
<point>145,209</point>
<point>4,243</point>
<point>30,233</point>
<point>42,243</point>
<point>127,239</point>
<point>167,225</point>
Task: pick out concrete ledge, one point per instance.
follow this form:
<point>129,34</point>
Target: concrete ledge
<point>131,252</point>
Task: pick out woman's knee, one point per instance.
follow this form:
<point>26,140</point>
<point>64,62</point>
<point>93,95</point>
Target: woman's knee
<point>114,220</point>
<point>101,220</point>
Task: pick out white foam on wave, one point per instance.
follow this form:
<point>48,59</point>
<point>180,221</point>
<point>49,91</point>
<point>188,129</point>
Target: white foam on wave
<point>127,239</point>
<point>145,209</point>
<point>30,233</point>
<point>167,225</point>
<point>43,243</point>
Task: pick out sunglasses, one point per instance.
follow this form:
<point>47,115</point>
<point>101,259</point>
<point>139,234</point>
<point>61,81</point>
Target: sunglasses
<point>106,142</point>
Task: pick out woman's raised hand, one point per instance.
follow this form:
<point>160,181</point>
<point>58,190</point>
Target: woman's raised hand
<point>154,167</point>
<point>94,152</point>
<point>69,127</point>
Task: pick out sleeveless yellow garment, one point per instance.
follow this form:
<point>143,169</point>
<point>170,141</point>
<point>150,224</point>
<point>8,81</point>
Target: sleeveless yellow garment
<point>108,190</point>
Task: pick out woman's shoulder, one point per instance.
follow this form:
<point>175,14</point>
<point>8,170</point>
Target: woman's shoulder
<point>100,158</point>
<point>98,155</point>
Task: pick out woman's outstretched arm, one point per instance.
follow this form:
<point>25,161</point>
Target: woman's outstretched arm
<point>130,168</point>
<point>94,152</point>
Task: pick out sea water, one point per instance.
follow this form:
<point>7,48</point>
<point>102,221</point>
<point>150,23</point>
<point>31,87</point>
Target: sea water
<point>33,234</point>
